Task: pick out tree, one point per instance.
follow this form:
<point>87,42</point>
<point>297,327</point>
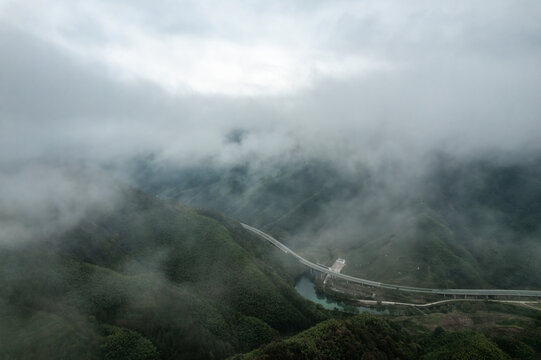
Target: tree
<point>124,344</point>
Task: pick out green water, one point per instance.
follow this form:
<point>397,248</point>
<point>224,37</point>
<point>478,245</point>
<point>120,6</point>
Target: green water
<point>305,287</point>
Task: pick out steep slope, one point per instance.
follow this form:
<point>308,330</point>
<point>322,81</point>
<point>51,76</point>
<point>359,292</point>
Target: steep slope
<point>459,223</point>
<point>422,252</point>
<point>282,197</point>
<point>182,280</point>
<point>360,337</point>
<point>368,337</point>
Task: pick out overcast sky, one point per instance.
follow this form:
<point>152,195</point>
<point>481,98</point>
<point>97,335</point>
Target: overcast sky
<point>88,83</point>
<point>106,80</point>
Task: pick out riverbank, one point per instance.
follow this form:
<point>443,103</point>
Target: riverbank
<point>306,287</point>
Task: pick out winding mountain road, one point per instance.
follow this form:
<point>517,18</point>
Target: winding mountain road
<point>452,292</point>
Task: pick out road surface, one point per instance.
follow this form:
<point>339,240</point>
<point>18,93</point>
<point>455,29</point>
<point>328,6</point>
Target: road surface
<point>528,304</point>
<point>451,292</point>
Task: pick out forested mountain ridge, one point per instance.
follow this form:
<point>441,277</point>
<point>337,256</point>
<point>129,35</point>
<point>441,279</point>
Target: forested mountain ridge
<point>366,336</point>
<point>153,279</point>
<point>189,285</point>
<point>457,223</point>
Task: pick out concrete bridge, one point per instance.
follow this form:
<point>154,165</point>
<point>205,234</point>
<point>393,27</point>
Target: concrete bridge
<point>412,289</point>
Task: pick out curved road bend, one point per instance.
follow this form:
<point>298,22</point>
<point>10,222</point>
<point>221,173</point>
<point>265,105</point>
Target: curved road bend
<point>460,292</point>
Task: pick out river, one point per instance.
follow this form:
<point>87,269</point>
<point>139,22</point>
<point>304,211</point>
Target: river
<point>305,287</point>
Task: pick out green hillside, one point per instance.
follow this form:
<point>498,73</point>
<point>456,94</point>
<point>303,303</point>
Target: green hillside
<point>425,252</point>
<point>368,337</point>
<point>460,223</point>
<point>153,279</point>
<point>282,198</point>
<point>190,285</point>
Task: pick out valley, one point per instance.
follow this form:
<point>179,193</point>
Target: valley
<point>334,273</point>
<point>270,180</point>
<point>176,281</point>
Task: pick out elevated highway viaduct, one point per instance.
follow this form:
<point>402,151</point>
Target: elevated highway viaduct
<point>411,289</point>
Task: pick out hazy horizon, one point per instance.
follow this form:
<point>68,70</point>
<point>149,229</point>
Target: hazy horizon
<point>93,85</point>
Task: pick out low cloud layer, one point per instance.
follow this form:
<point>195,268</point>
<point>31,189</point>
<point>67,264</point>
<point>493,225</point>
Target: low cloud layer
<point>41,201</point>
<point>96,83</point>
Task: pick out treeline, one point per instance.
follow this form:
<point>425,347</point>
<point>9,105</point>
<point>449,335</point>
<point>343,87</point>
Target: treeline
<point>367,337</point>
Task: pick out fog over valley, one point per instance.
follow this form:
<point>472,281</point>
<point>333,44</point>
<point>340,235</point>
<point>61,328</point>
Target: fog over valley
<point>135,136</point>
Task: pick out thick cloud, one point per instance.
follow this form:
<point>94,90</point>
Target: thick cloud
<point>43,200</point>
<point>97,83</point>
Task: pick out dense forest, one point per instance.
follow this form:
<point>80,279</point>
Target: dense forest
<point>139,138</point>
<point>150,275</point>
<point>368,337</point>
<point>459,222</point>
<point>154,279</point>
